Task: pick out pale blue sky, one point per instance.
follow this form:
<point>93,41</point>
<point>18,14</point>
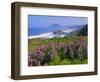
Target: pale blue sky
<point>36,21</point>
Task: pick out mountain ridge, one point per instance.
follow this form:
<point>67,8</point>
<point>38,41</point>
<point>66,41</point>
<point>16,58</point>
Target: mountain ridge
<point>52,28</point>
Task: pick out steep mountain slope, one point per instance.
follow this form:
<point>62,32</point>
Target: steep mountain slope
<point>83,31</point>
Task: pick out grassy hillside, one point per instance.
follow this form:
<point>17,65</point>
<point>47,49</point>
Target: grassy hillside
<point>57,51</point>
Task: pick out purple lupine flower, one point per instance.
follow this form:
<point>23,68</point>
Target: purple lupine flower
<point>82,42</point>
<point>30,61</point>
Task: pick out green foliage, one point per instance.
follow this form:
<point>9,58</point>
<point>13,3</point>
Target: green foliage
<point>56,61</point>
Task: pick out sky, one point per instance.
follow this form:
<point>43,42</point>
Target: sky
<point>36,21</point>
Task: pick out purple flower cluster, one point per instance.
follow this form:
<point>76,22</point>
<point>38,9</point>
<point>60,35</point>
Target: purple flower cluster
<point>73,50</point>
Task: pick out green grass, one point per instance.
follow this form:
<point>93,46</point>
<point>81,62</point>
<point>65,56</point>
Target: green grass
<point>67,61</point>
